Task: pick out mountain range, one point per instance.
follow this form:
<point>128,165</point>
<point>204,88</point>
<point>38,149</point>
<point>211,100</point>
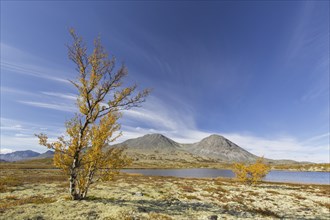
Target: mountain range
<point>156,148</point>
<point>212,149</point>
<point>25,155</point>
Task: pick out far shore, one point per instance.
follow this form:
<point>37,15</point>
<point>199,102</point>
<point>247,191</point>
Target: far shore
<point>47,163</point>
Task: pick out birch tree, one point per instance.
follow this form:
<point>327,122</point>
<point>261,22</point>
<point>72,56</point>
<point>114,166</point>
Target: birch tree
<point>83,153</point>
<point>253,173</point>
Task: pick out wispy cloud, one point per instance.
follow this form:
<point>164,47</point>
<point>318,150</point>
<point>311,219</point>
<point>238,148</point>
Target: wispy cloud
<point>45,99</point>
<point>55,106</point>
<point>170,116</point>
<point>69,96</point>
<point>282,147</point>
<point>22,62</point>
<point>27,128</point>
<point>318,137</point>
<point>178,124</point>
<point>30,70</point>
<point>21,92</point>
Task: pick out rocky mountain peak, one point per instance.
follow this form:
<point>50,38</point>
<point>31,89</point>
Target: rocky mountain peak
<point>216,140</point>
<point>214,137</point>
<point>218,147</point>
<point>155,136</point>
<point>152,141</point>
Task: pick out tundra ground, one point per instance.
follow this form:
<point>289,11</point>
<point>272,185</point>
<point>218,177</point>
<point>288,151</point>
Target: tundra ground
<point>43,194</point>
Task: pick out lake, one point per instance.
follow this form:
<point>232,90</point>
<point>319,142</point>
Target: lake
<point>273,176</point>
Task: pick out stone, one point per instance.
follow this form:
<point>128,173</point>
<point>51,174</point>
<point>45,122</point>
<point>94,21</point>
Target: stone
<point>138,194</point>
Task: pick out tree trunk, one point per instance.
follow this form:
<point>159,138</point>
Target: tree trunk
<point>73,191</point>
<point>88,183</point>
<point>84,194</point>
<point>73,179</point>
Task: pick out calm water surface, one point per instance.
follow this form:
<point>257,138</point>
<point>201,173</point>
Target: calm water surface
<point>274,176</point>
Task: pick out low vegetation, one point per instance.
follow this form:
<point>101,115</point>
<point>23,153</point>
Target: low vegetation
<point>252,173</point>
<point>30,195</point>
<point>322,167</point>
<point>14,201</point>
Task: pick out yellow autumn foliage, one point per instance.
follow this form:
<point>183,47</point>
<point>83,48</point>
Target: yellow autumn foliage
<point>84,153</point>
<point>252,173</point>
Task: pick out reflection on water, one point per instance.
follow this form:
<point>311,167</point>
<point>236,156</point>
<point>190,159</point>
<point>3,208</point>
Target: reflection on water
<point>275,176</point>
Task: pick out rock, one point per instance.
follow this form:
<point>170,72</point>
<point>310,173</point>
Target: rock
<point>138,194</point>
<point>213,217</point>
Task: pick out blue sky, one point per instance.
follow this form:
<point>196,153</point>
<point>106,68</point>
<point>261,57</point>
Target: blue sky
<point>255,72</point>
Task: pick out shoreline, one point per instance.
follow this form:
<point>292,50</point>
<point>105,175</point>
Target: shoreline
<point>230,179</point>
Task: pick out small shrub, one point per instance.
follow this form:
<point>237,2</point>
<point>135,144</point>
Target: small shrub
<point>11,197</point>
<point>251,174</point>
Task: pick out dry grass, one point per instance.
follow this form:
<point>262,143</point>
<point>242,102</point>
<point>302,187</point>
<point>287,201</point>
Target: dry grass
<point>324,190</point>
<point>191,197</point>
<point>210,189</point>
<point>187,188</point>
<point>324,204</point>
<point>299,197</point>
<point>13,201</point>
<point>158,216</point>
<point>273,192</point>
<point>12,178</point>
<point>252,193</point>
<point>264,212</point>
<point>9,181</point>
<point>45,163</point>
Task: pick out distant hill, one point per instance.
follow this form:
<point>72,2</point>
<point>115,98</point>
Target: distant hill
<point>156,147</point>
<point>25,155</point>
<point>221,149</point>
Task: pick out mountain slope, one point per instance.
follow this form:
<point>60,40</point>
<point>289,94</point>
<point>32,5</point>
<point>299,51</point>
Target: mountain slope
<point>220,149</point>
<point>157,147</point>
<point>47,154</point>
<point>152,142</point>
<point>25,155</point>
